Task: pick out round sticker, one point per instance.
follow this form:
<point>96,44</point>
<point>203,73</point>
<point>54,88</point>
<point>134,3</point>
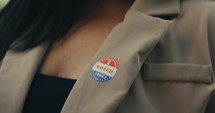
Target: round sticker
<point>104,70</point>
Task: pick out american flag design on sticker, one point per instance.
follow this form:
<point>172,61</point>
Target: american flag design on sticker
<point>104,70</point>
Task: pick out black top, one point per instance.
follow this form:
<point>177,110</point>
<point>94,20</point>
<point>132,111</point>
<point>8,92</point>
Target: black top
<point>47,94</point>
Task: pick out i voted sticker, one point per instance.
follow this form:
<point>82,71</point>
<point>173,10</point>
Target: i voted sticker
<point>104,70</point>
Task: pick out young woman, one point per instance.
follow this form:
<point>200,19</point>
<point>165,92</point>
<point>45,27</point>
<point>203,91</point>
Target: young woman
<point>122,56</point>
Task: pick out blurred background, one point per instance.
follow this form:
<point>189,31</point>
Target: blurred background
<point>3,3</point>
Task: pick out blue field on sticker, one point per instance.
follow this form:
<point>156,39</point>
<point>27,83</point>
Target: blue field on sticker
<point>100,77</point>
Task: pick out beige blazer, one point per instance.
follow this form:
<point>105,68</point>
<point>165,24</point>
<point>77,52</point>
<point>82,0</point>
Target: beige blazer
<point>164,65</point>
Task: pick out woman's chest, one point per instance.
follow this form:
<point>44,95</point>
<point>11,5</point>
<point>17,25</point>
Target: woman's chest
<point>68,57</point>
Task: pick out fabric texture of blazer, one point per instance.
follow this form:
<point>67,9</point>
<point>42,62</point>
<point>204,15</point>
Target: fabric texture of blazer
<point>165,50</point>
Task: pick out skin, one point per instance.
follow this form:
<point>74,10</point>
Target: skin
<point>68,57</point>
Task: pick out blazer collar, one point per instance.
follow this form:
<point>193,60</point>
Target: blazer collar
<point>16,74</point>
<point>158,7</point>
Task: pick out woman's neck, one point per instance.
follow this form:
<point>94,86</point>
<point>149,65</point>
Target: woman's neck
<point>111,9</point>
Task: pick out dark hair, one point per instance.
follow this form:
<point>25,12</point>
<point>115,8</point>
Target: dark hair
<point>25,24</point>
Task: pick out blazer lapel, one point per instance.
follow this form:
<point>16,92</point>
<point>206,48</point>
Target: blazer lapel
<point>16,75</point>
<point>129,43</point>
